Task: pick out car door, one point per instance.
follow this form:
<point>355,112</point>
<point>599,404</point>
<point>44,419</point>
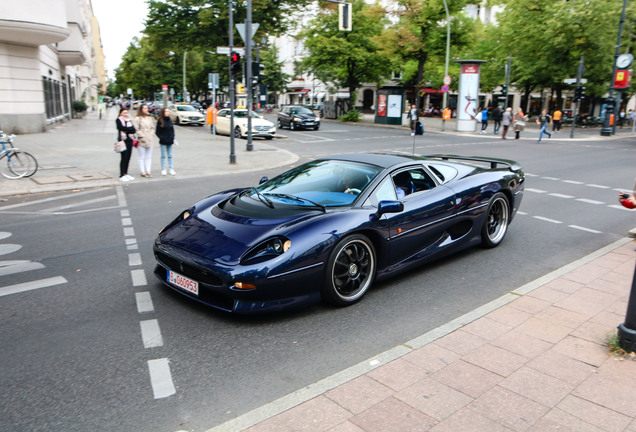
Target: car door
<point>284,116</point>
<point>223,121</point>
<point>420,229</point>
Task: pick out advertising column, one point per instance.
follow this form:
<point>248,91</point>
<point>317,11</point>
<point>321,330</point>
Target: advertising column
<point>468,94</point>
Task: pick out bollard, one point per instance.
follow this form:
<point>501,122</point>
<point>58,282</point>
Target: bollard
<point>627,330</point>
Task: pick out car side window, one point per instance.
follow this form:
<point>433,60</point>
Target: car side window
<point>443,172</point>
<point>411,181</point>
<point>384,192</point>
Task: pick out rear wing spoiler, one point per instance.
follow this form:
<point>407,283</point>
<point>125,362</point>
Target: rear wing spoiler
<point>494,162</point>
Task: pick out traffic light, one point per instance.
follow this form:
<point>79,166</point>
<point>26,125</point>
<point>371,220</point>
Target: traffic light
<point>235,62</point>
<point>257,72</point>
<point>504,89</point>
<point>579,93</point>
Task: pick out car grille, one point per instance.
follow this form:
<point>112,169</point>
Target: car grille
<point>261,128</point>
<point>188,270</point>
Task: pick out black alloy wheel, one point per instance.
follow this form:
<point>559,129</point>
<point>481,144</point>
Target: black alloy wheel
<point>350,271</point>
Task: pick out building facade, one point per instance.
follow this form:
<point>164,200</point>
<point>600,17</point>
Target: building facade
<point>50,55</point>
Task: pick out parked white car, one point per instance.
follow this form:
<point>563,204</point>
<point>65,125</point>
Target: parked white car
<point>186,114</point>
<point>260,126</point>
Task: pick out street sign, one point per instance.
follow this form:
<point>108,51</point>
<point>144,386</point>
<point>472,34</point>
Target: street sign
<point>164,87</point>
<point>573,81</point>
<point>444,88</point>
<point>447,80</point>
<point>213,81</point>
<point>226,50</point>
<point>241,29</point>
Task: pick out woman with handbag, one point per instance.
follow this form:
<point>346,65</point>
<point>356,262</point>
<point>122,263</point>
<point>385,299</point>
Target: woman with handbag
<point>520,122</point>
<point>145,125</point>
<point>126,131</point>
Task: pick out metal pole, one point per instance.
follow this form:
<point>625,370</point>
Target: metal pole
<point>248,72</point>
<point>445,96</point>
<point>508,67</point>
<point>607,130</point>
<point>579,75</point>
<point>232,84</point>
<point>627,330</point>
<point>185,90</point>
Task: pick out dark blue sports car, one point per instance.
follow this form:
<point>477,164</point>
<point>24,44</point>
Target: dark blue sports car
<point>328,228</point>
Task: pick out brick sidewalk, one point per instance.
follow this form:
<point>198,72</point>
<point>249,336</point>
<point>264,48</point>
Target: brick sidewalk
<point>534,360</point>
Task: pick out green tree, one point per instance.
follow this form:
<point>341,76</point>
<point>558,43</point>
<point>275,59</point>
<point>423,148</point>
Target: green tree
<point>417,41</point>
<point>274,77</point>
<point>346,58</point>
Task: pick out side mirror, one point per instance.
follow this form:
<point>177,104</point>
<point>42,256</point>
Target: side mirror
<point>388,207</point>
<point>263,180</point>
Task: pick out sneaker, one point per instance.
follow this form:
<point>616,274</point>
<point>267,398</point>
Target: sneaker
<point>124,179</point>
<point>164,172</point>
<point>413,134</point>
<point>130,178</point>
<point>172,172</point>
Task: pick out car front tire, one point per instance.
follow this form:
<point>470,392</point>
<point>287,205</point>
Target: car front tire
<point>292,125</point>
<point>280,124</point>
<point>496,223</point>
<point>350,271</point>
<point>237,132</point>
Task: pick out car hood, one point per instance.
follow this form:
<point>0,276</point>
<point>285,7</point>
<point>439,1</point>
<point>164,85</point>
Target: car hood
<point>191,113</point>
<point>255,122</point>
<point>225,237</point>
<point>304,116</point>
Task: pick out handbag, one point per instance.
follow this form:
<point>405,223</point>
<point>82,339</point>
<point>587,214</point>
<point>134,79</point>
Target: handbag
<point>120,147</point>
<point>521,123</point>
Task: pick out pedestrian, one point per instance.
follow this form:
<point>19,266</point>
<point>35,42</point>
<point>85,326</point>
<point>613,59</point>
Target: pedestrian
<point>628,200</point>
<point>496,118</point>
<point>544,120</point>
<point>520,120</point>
<point>145,125</point>
<point>126,131</point>
<point>507,121</point>
<point>413,117</point>
<point>165,132</point>
<point>630,117</point>
<point>621,118</point>
<point>484,120</point>
<point>556,120</point>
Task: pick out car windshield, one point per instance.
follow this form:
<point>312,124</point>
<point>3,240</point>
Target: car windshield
<point>328,183</point>
<point>243,114</point>
<point>185,108</point>
<point>301,110</point>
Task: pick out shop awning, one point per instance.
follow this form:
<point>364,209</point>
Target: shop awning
<point>298,92</point>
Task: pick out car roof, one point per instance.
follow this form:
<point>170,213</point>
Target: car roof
<point>383,160</point>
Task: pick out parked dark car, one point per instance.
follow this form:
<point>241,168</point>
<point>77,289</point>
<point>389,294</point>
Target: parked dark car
<point>329,228</point>
<point>297,117</point>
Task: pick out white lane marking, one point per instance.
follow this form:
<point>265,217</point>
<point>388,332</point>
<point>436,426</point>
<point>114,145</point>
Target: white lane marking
<point>161,378</point>
<point>551,178</point>
<point>521,213</point>
<point>585,229</point>
<point>126,221</point>
<point>151,334</point>
<point>12,267</point>
<point>134,259</point>
<point>4,235</point>
<point>59,197</point>
<point>144,302</point>
<point>590,201</point>
<point>121,197</point>
<point>620,207</point>
<point>129,232</point>
<point>131,244</point>
<point>138,278</point>
<point>9,248</point>
<point>558,195</point>
<point>532,175</point>
<point>125,213</point>
<point>536,190</point>
<point>573,182</point>
<point>28,286</point>
<point>547,219</point>
<point>78,204</point>
<point>597,186</point>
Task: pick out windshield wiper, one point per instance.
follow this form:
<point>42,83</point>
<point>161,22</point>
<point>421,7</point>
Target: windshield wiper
<point>268,202</point>
<point>299,199</point>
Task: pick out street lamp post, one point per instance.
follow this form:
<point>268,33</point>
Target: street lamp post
<point>185,90</point>
<point>607,129</point>
<point>445,96</point>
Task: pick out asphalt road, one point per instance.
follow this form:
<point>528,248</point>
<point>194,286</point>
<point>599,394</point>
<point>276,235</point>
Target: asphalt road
<point>83,349</point>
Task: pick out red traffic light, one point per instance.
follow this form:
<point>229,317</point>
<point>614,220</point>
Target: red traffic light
<point>235,62</point>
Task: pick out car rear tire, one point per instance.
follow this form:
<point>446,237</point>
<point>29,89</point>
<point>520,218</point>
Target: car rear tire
<point>317,127</point>
<point>350,271</point>
<point>292,126</point>
<point>496,222</point>
<point>237,132</point>
<point>280,124</point>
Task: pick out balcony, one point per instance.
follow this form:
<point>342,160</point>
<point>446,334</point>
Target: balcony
<point>71,50</point>
<point>33,23</point>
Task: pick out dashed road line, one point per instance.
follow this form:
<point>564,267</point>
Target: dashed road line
<point>558,195</point>
<point>545,219</point>
<point>138,278</point>
<point>161,378</point>
<point>134,259</point>
<point>585,229</point>
<point>144,302</point>
<point>19,266</point>
<point>151,334</point>
<point>589,201</point>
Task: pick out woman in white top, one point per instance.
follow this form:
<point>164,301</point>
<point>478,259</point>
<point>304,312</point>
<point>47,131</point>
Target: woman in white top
<point>145,126</point>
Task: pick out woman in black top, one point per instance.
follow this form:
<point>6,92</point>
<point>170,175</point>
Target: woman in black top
<point>165,132</point>
<point>125,130</point>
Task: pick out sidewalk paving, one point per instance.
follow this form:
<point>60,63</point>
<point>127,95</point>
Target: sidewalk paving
<point>534,360</point>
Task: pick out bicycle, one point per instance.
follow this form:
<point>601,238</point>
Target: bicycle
<point>19,163</point>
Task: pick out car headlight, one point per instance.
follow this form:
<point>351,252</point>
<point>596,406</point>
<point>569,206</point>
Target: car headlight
<point>268,249</point>
<point>183,216</point>
<point>297,119</point>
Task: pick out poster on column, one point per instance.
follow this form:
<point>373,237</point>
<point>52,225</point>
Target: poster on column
<point>468,96</point>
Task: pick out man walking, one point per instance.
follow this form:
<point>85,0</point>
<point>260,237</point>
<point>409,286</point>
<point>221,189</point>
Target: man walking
<point>484,120</point>
<point>413,117</point>
<point>556,120</point>
<point>496,118</point>
<point>544,120</point>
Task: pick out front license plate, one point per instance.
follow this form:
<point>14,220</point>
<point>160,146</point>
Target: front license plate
<point>183,282</point>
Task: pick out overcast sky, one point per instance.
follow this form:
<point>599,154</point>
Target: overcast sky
<point>119,22</point>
